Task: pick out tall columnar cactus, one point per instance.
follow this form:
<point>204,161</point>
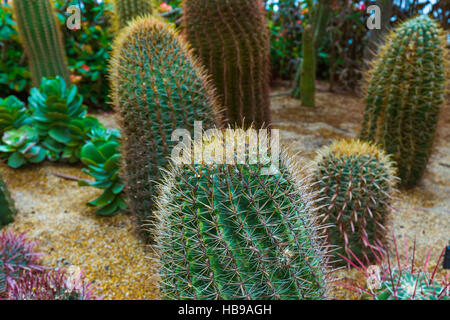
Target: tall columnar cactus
<point>308,69</point>
<point>232,40</point>
<point>231,232</point>
<point>127,10</point>
<point>7,208</point>
<point>405,93</point>
<point>356,181</point>
<point>41,39</point>
<point>157,87</point>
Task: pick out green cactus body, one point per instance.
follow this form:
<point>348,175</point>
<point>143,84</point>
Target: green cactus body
<point>405,93</point>
<point>127,10</point>
<point>308,73</point>
<point>41,39</point>
<point>232,40</point>
<point>232,232</point>
<point>158,87</point>
<point>7,209</point>
<point>356,182</point>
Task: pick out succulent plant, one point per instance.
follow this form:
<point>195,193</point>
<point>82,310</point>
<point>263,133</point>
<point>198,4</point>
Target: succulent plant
<point>52,285</point>
<point>157,87</point>
<point>405,94</point>
<point>42,39</point>
<point>234,232</point>
<point>17,254</point>
<point>397,280</point>
<point>60,119</point>
<point>13,114</point>
<point>101,155</point>
<point>127,10</point>
<point>7,208</point>
<point>21,146</point>
<point>232,40</point>
<point>356,182</point>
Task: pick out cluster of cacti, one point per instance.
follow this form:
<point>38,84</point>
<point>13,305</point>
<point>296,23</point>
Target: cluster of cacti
<point>41,39</point>
<point>17,255</point>
<point>128,10</point>
<point>235,232</point>
<point>405,93</point>
<point>13,114</point>
<point>60,119</point>
<point>157,87</point>
<point>232,40</point>
<point>7,207</point>
<point>355,180</point>
<point>101,156</point>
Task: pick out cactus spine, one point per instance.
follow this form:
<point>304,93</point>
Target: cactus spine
<point>127,10</point>
<point>356,181</point>
<point>308,73</point>
<point>7,209</point>
<point>41,39</point>
<point>232,40</point>
<point>405,93</point>
<point>233,232</point>
<point>157,87</point>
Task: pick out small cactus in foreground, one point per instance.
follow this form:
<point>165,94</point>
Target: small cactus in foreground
<point>356,183</point>
<point>7,208</point>
<point>127,10</point>
<point>405,94</point>
<point>232,40</point>
<point>157,87</point>
<point>231,232</point>
<point>42,39</point>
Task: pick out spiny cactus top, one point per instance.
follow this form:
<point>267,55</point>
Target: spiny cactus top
<point>42,39</point>
<point>157,87</point>
<point>356,181</point>
<point>230,232</point>
<point>232,40</point>
<point>405,93</point>
<point>7,208</point>
<point>127,10</point>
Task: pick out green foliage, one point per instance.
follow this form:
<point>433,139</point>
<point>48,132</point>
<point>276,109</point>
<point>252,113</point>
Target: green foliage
<point>14,74</point>
<point>405,93</point>
<point>101,156</point>
<point>7,208</point>
<point>232,41</point>
<point>355,181</point>
<point>157,87</point>
<point>42,40</point>
<point>127,10</point>
<point>233,232</point>
<point>308,67</point>
<point>13,114</point>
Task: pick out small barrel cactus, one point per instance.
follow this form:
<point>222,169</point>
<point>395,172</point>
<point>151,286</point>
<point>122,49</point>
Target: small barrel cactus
<point>234,232</point>
<point>127,10</point>
<point>157,87</point>
<point>232,40</point>
<point>42,39</point>
<point>7,208</point>
<point>405,94</point>
<point>356,181</point>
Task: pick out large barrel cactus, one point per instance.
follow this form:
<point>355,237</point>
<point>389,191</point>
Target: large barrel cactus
<point>232,232</point>
<point>356,181</point>
<point>405,93</point>
<point>232,40</point>
<point>7,209</point>
<point>41,39</point>
<point>157,87</point>
<point>127,10</point>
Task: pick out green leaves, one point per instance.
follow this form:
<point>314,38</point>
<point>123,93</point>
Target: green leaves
<point>13,114</point>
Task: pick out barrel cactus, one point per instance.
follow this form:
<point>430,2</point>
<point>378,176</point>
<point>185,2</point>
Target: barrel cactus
<point>356,181</point>
<point>157,87</point>
<point>232,40</point>
<point>127,10</point>
<point>405,94</point>
<point>7,208</point>
<point>234,232</point>
<point>41,39</point>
